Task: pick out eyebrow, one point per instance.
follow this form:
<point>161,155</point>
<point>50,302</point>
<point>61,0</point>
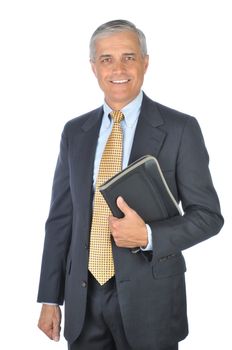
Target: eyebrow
<point>104,56</point>
<point>129,54</point>
<point>124,54</point>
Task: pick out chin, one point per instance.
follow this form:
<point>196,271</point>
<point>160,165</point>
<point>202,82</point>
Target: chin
<point>122,97</point>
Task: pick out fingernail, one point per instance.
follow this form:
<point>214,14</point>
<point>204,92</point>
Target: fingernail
<point>56,338</point>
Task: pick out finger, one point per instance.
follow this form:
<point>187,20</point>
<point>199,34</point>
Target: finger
<point>46,329</point>
<point>112,219</point>
<point>123,206</point>
<point>112,224</point>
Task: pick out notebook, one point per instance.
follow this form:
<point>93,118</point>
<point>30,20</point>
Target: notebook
<point>142,185</point>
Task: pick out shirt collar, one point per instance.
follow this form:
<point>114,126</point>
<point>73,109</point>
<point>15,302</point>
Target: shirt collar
<point>130,111</point>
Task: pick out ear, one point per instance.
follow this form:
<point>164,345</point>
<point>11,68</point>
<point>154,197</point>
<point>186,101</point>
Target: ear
<point>93,66</point>
<point>146,63</point>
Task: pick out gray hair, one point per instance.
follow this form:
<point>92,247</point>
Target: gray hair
<point>116,26</point>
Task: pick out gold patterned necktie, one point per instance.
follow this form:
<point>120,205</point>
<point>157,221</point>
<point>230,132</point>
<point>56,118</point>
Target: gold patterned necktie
<point>101,263</point>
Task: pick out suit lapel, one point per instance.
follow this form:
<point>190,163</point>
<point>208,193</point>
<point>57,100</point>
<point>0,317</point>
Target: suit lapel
<point>148,137</point>
<point>84,163</point>
<point>90,132</point>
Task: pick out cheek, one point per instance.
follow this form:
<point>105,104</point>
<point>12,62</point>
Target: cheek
<point>138,74</point>
<point>141,75</point>
<point>101,76</point>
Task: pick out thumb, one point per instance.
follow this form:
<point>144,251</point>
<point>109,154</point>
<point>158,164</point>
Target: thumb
<point>56,326</point>
<point>123,206</point>
<point>56,332</point>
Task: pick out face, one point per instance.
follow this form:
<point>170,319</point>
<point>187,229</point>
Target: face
<point>119,68</point>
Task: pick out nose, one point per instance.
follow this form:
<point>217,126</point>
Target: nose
<point>118,66</point>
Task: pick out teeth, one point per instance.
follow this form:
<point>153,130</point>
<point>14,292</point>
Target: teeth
<point>120,81</point>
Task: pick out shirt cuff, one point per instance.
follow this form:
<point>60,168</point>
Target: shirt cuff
<point>149,237</point>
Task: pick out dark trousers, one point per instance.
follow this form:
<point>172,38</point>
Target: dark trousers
<point>103,328</point>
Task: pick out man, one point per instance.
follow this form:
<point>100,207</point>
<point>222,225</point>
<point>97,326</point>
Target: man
<point>115,299</point>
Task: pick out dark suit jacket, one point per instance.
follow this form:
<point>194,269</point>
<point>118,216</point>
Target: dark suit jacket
<point>151,287</point>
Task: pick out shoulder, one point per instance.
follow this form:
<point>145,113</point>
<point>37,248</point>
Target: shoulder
<point>76,124</point>
<point>170,119</point>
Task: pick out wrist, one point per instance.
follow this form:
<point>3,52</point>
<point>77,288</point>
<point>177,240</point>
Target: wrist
<point>144,242</point>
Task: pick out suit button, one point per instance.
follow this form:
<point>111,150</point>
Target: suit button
<point>83,284</point>
<point>86,246</point>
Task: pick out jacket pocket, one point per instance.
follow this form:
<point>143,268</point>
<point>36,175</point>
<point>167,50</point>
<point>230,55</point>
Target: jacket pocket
<point>168,266</point>
<point>68,266</point>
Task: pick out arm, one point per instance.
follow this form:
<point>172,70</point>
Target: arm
<point>57,238</point>
<point>202,218</point>
<point>58,232</point>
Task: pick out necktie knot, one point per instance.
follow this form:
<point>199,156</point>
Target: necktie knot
<point>117,116</point>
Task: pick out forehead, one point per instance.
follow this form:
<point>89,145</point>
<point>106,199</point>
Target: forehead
<point>121,42</point>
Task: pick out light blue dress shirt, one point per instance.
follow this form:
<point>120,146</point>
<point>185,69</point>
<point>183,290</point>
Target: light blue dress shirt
<point>131,114</point>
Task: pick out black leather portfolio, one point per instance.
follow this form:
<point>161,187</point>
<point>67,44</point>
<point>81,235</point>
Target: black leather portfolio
<point>143,186</point>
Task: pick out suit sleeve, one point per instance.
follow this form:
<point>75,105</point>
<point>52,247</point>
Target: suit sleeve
<point>57,232</point>
<point>202,217</point>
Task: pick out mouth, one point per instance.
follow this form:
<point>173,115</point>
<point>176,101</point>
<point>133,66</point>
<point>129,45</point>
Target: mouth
<point>118,82</point>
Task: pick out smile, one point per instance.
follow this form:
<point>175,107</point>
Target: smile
<point>120,81</point>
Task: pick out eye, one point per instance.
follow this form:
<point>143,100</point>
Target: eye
<point>106,60</point>
<point>129,58</point>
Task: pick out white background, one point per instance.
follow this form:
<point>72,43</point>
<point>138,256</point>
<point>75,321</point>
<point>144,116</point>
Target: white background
<point>46,80</point>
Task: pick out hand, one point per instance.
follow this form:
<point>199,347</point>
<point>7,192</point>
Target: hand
<point>49,321</point>
<point>130,231</point>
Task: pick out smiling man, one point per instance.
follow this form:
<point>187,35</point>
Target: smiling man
<point>114,299</point>
<point>119,66</point>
